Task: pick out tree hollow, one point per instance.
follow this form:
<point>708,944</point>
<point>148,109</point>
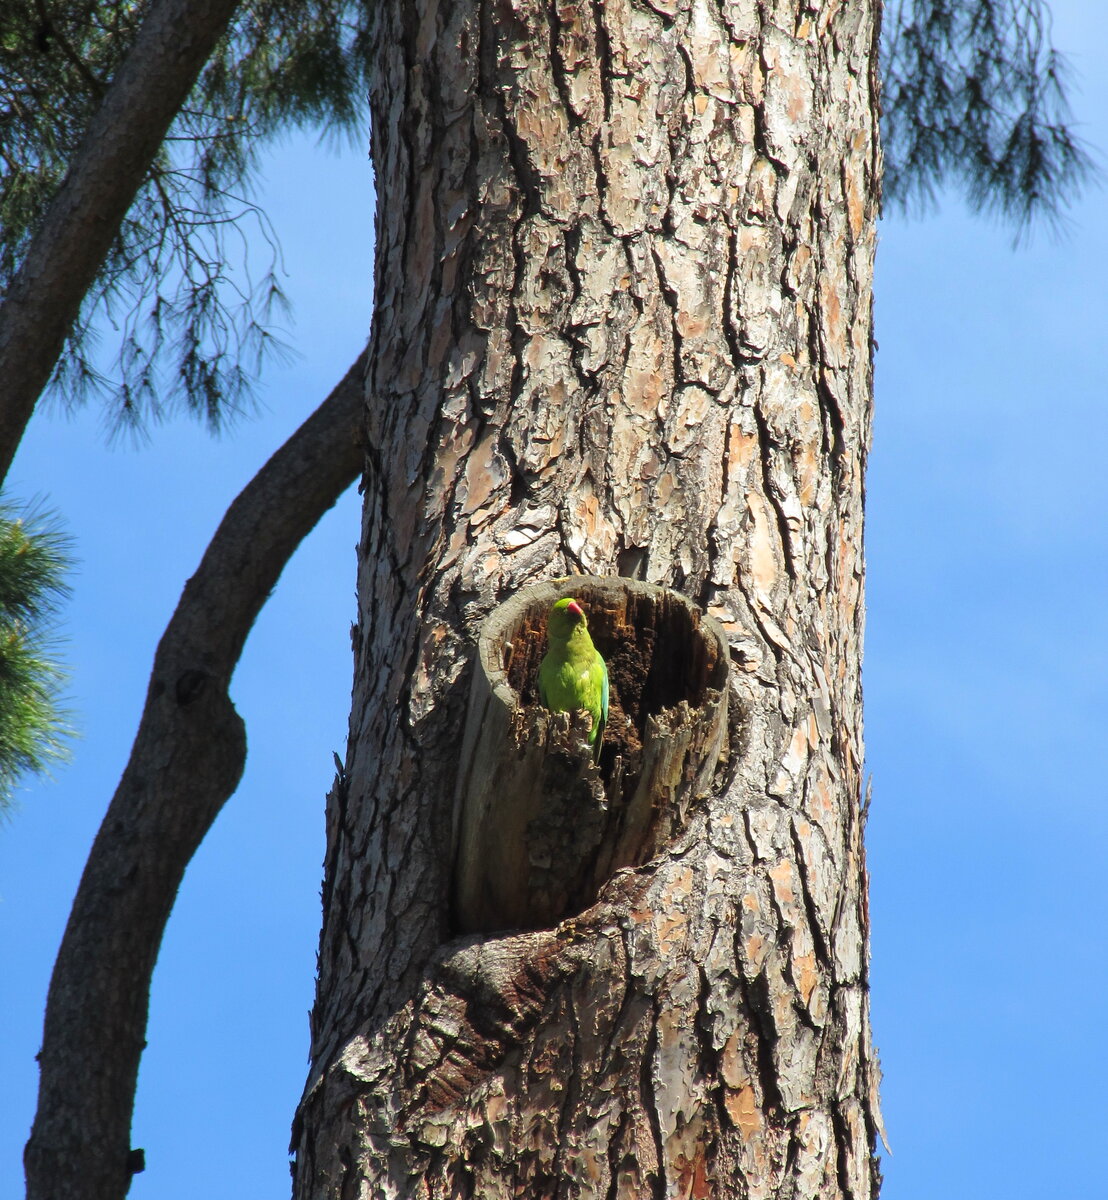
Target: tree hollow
<point>539,826</point>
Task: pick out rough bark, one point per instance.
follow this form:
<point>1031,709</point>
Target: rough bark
<point>186,761</point>
<point>623,325</point>
<point>175,40</point>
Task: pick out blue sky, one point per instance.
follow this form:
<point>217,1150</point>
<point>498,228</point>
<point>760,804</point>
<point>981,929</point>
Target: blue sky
<point>985,677</point>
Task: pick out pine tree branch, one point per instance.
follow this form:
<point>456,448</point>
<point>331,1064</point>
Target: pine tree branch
<point>175,41</point>
<point>186,760</point>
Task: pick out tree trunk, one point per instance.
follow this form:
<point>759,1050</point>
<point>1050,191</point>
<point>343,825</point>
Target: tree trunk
<point>623,326</point>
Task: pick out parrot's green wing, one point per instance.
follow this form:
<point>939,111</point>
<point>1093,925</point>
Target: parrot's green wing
<point>572,674</point>
<point>598,736</point>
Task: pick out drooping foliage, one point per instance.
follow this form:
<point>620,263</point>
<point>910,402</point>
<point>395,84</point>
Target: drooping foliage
<point>34,559</point>
<point>190,317</point>
<point>974,94</point>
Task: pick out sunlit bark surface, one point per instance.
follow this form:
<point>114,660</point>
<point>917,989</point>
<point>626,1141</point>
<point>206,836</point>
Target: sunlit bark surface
<point>623,325</point>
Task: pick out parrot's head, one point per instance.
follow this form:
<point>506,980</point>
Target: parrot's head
<point>564,618</point>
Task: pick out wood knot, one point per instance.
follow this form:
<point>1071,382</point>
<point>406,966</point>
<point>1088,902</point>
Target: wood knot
<point>189,685</point>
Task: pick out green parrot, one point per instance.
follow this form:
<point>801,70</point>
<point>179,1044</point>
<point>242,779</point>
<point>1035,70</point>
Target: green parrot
<point>572,675</point>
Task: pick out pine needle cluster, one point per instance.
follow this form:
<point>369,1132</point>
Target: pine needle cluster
<point>190,317</point>
<point>34,560</point>
<point>974,94</point>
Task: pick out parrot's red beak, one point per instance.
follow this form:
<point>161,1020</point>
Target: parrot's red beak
<point>575,608</point>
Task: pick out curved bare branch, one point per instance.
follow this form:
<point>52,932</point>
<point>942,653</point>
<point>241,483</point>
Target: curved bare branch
<point>186,761</point>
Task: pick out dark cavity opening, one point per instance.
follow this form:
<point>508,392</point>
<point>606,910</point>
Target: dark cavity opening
<point>657,656</point>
